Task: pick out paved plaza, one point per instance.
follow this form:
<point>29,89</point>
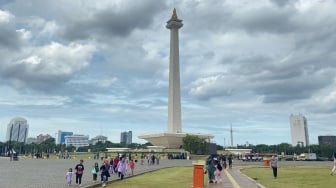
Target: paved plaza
<point>41,173</point>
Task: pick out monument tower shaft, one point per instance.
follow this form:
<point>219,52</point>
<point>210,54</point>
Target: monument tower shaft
<point>174,100</point>
<point>173,139</point>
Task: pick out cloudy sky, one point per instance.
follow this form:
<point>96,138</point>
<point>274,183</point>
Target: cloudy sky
<point>101,67</point>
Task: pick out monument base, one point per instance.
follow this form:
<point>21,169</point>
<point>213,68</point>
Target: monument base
<point>170,140</point>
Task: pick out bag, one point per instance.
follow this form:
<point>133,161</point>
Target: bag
<point>93,171</point>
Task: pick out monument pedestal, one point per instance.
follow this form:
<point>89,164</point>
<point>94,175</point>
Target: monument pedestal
<point>170,140</point>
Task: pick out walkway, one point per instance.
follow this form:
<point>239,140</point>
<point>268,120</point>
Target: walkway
<point>233,178</point>
<point>41,173</point>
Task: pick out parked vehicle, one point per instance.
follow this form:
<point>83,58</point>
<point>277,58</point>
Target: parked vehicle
<point>252,157</point>
<point>308,157</point>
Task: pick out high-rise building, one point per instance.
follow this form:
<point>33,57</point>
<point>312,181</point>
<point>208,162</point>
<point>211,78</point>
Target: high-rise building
<point>17,130</point>
<point>299,130</point>
<point>77,140</point>
<point>41,138</point>
<point>61,136</point>
<point>327,140</point>
<point>126,137</point>
<point>97,139</point>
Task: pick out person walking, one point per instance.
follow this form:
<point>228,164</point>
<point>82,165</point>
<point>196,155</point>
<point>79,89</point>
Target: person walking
<point>132,165</point>
<point>68,176</point>
<point>274,166</point>
<point>333,171</point>
<point>218,171</point>
<point>210,170</point>
<point>136,158</point>
<point>95,171</point>
<point>104,168</point>
<point>79,172</point>
<point>122,168</point>
<point>230,161</point>
<point>115,163</point>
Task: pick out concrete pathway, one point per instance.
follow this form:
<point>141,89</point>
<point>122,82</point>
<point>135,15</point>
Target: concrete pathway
<point>233,178</point>
<point>41,173</point>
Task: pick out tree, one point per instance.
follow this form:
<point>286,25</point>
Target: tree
<point>194,144</point>
<point>48,146</point>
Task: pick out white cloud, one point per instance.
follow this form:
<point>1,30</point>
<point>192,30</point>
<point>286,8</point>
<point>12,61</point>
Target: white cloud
<point>105,64</point>
<point>5,17</point>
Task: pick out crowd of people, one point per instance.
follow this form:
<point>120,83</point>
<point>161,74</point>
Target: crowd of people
<point>215,165</point>
<point>119,166</point>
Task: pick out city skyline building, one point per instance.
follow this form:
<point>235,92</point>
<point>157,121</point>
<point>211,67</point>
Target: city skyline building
<point>77,140</point>
<point>99,138</point>
<point>41,138</point>
<point>327,140</point>
<point>61,136</point>
<point>299,130</point>
<point>126,137</point>
<point>17,130</point>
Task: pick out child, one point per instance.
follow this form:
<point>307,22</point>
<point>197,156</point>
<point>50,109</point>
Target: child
<point>68,176</point>
<point>111,168</point>
<point>132,165</point>
<point>218,172</point>
<point>95,170</point>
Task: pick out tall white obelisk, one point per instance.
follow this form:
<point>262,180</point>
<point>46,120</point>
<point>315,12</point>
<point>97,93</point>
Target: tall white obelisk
<point>174,100</point>
<point>173,138</point>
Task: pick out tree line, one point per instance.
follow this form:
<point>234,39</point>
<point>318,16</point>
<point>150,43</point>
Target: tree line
<point>192,144</point>
<point>195,145</point>
<point>49,146</point>
<point>322,151</point>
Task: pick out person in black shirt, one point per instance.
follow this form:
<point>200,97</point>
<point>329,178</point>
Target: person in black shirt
<point>79,172</point>
<point>104,173</point>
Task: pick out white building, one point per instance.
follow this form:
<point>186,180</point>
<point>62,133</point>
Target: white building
<point>77,140</point>
<point>98,138</point>
<point>299,130</point>
<point>17,130</point>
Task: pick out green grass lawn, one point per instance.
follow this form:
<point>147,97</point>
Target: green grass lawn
<point>176,177</point>
<point>288,177</point>
<point>293,177</point>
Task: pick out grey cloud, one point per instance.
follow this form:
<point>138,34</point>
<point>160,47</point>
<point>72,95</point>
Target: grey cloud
<point>9,39</point>
<point>46,68</point>
<point>23,79</point>
<point>282,3</point>
<point>114,22</point>
<point>296,88</point>
<point>266,19</point>
<point>214,86</point>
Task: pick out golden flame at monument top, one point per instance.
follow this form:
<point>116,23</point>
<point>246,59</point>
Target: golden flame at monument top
<point>174,16</point>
